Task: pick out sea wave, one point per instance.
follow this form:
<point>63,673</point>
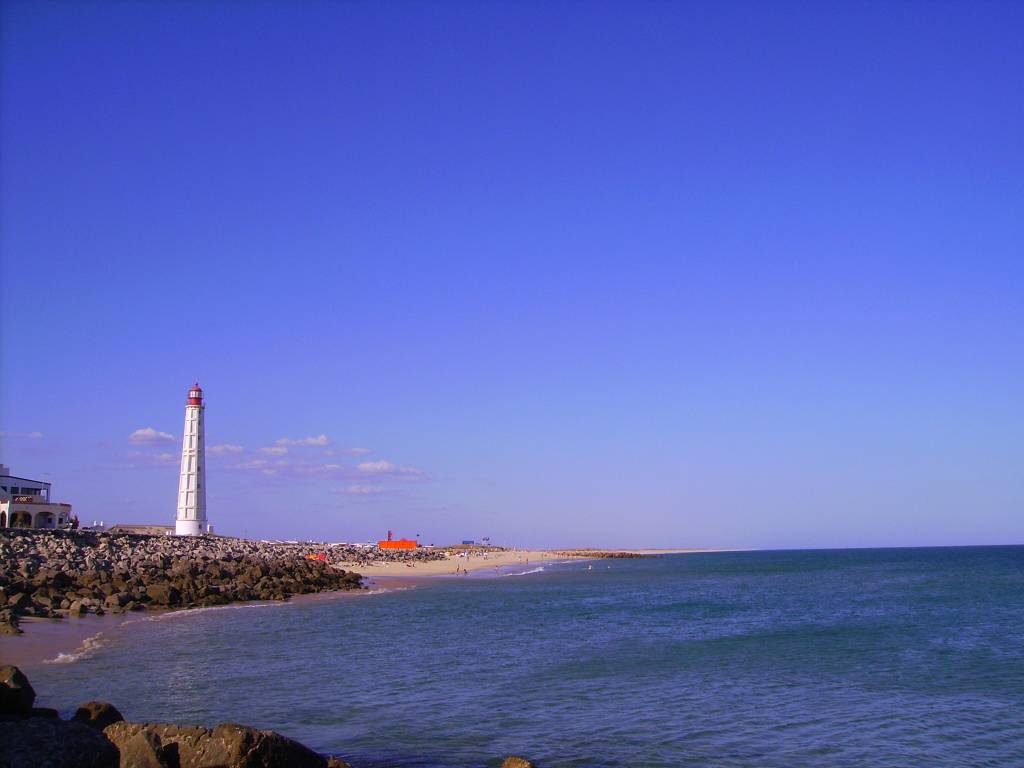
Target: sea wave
<point>88,647</point>
<point>539,569</point>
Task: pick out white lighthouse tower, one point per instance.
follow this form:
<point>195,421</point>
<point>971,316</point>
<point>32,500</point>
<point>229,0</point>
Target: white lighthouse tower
<point>191,517</point>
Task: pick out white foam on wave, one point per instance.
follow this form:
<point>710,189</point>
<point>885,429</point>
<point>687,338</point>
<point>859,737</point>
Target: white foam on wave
<point>88,647</point>
<point>164,615</point>
<point>539,569</point>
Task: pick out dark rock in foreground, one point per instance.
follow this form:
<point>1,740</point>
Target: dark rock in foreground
<point>98,714</point>
<point>16,693</point>
<point>37,738</point>
<point>146,750</point>
<point>517,762</point>
<point>229,745</point>
<point>36,742</point>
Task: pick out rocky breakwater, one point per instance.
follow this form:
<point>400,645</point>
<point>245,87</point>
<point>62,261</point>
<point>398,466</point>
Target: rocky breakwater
<point>599,554</point>
<point>58,573</point>
<point>99,737</point>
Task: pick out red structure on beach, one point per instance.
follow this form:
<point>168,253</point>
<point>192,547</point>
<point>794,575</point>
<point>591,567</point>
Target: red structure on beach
<point>391,543</point>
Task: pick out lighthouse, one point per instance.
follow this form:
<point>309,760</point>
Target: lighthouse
<point>191,517</point>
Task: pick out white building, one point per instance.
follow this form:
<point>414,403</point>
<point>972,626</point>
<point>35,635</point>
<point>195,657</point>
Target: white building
<point>191,516</point>
<point>26,503</point>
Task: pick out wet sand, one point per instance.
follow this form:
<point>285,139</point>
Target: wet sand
<point>49,640</point>
<point>60,641</point>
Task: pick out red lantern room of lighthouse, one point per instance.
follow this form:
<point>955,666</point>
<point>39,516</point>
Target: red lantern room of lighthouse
<point>195,395</point>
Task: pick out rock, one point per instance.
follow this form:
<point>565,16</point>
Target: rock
<point>98,714</point>
<point>16,693</point>
<point>517,762</point>
<point>49,712</point>
<point>337,762</point>
<point>36,742</point>
<point>163,594</point>
<point>145,750</point>
<point>227,746</point>
<point>9,623</point>
<point>57,573</point>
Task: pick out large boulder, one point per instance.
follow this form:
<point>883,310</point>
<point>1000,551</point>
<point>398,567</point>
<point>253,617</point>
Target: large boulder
<point>145,750</point>
<point>227,746</point>
<point>98,714</point>
<point>9,623</point>
<point>118,599</point>
<point>16,693</point>
<point>36,741</point>
<point>19,601</point>
<point>163,594</point>
<point>517,762</point>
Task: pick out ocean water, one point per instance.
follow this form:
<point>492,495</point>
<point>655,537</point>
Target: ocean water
<point>897,657</point>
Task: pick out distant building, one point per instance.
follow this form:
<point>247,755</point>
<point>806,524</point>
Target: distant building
<point>392,543</point>
<point>26,503</point>
<point>397,544</point>
<point>151,530</point>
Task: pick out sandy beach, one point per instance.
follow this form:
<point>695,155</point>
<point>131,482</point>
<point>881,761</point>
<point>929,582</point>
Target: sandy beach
<point>473,561</point>
<point>476,560</point>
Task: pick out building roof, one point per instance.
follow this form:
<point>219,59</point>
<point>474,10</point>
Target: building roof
<point>27,479</point>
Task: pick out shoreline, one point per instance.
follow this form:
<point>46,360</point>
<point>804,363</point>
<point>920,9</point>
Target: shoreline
<point>57,641</point>
<point>65,640</point>
<point>472,562</point>
<point>495,560</point>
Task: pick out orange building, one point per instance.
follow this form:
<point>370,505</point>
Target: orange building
<point>391,543</point>
<point>397,544</point>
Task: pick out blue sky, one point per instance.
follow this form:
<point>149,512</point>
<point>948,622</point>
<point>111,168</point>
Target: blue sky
<point>709,274</point>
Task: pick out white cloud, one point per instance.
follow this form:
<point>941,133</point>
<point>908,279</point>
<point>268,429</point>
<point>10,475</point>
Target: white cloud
<point>375,466</point>
<point>277,450</point>
<point>321,440</point>
<point>252,464</point>
<point>362,490</point>
<point>159,459</point>
<point>150,436</point>
<point>224,448</point>
<point>386,468</point>
<point>348,452</point>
